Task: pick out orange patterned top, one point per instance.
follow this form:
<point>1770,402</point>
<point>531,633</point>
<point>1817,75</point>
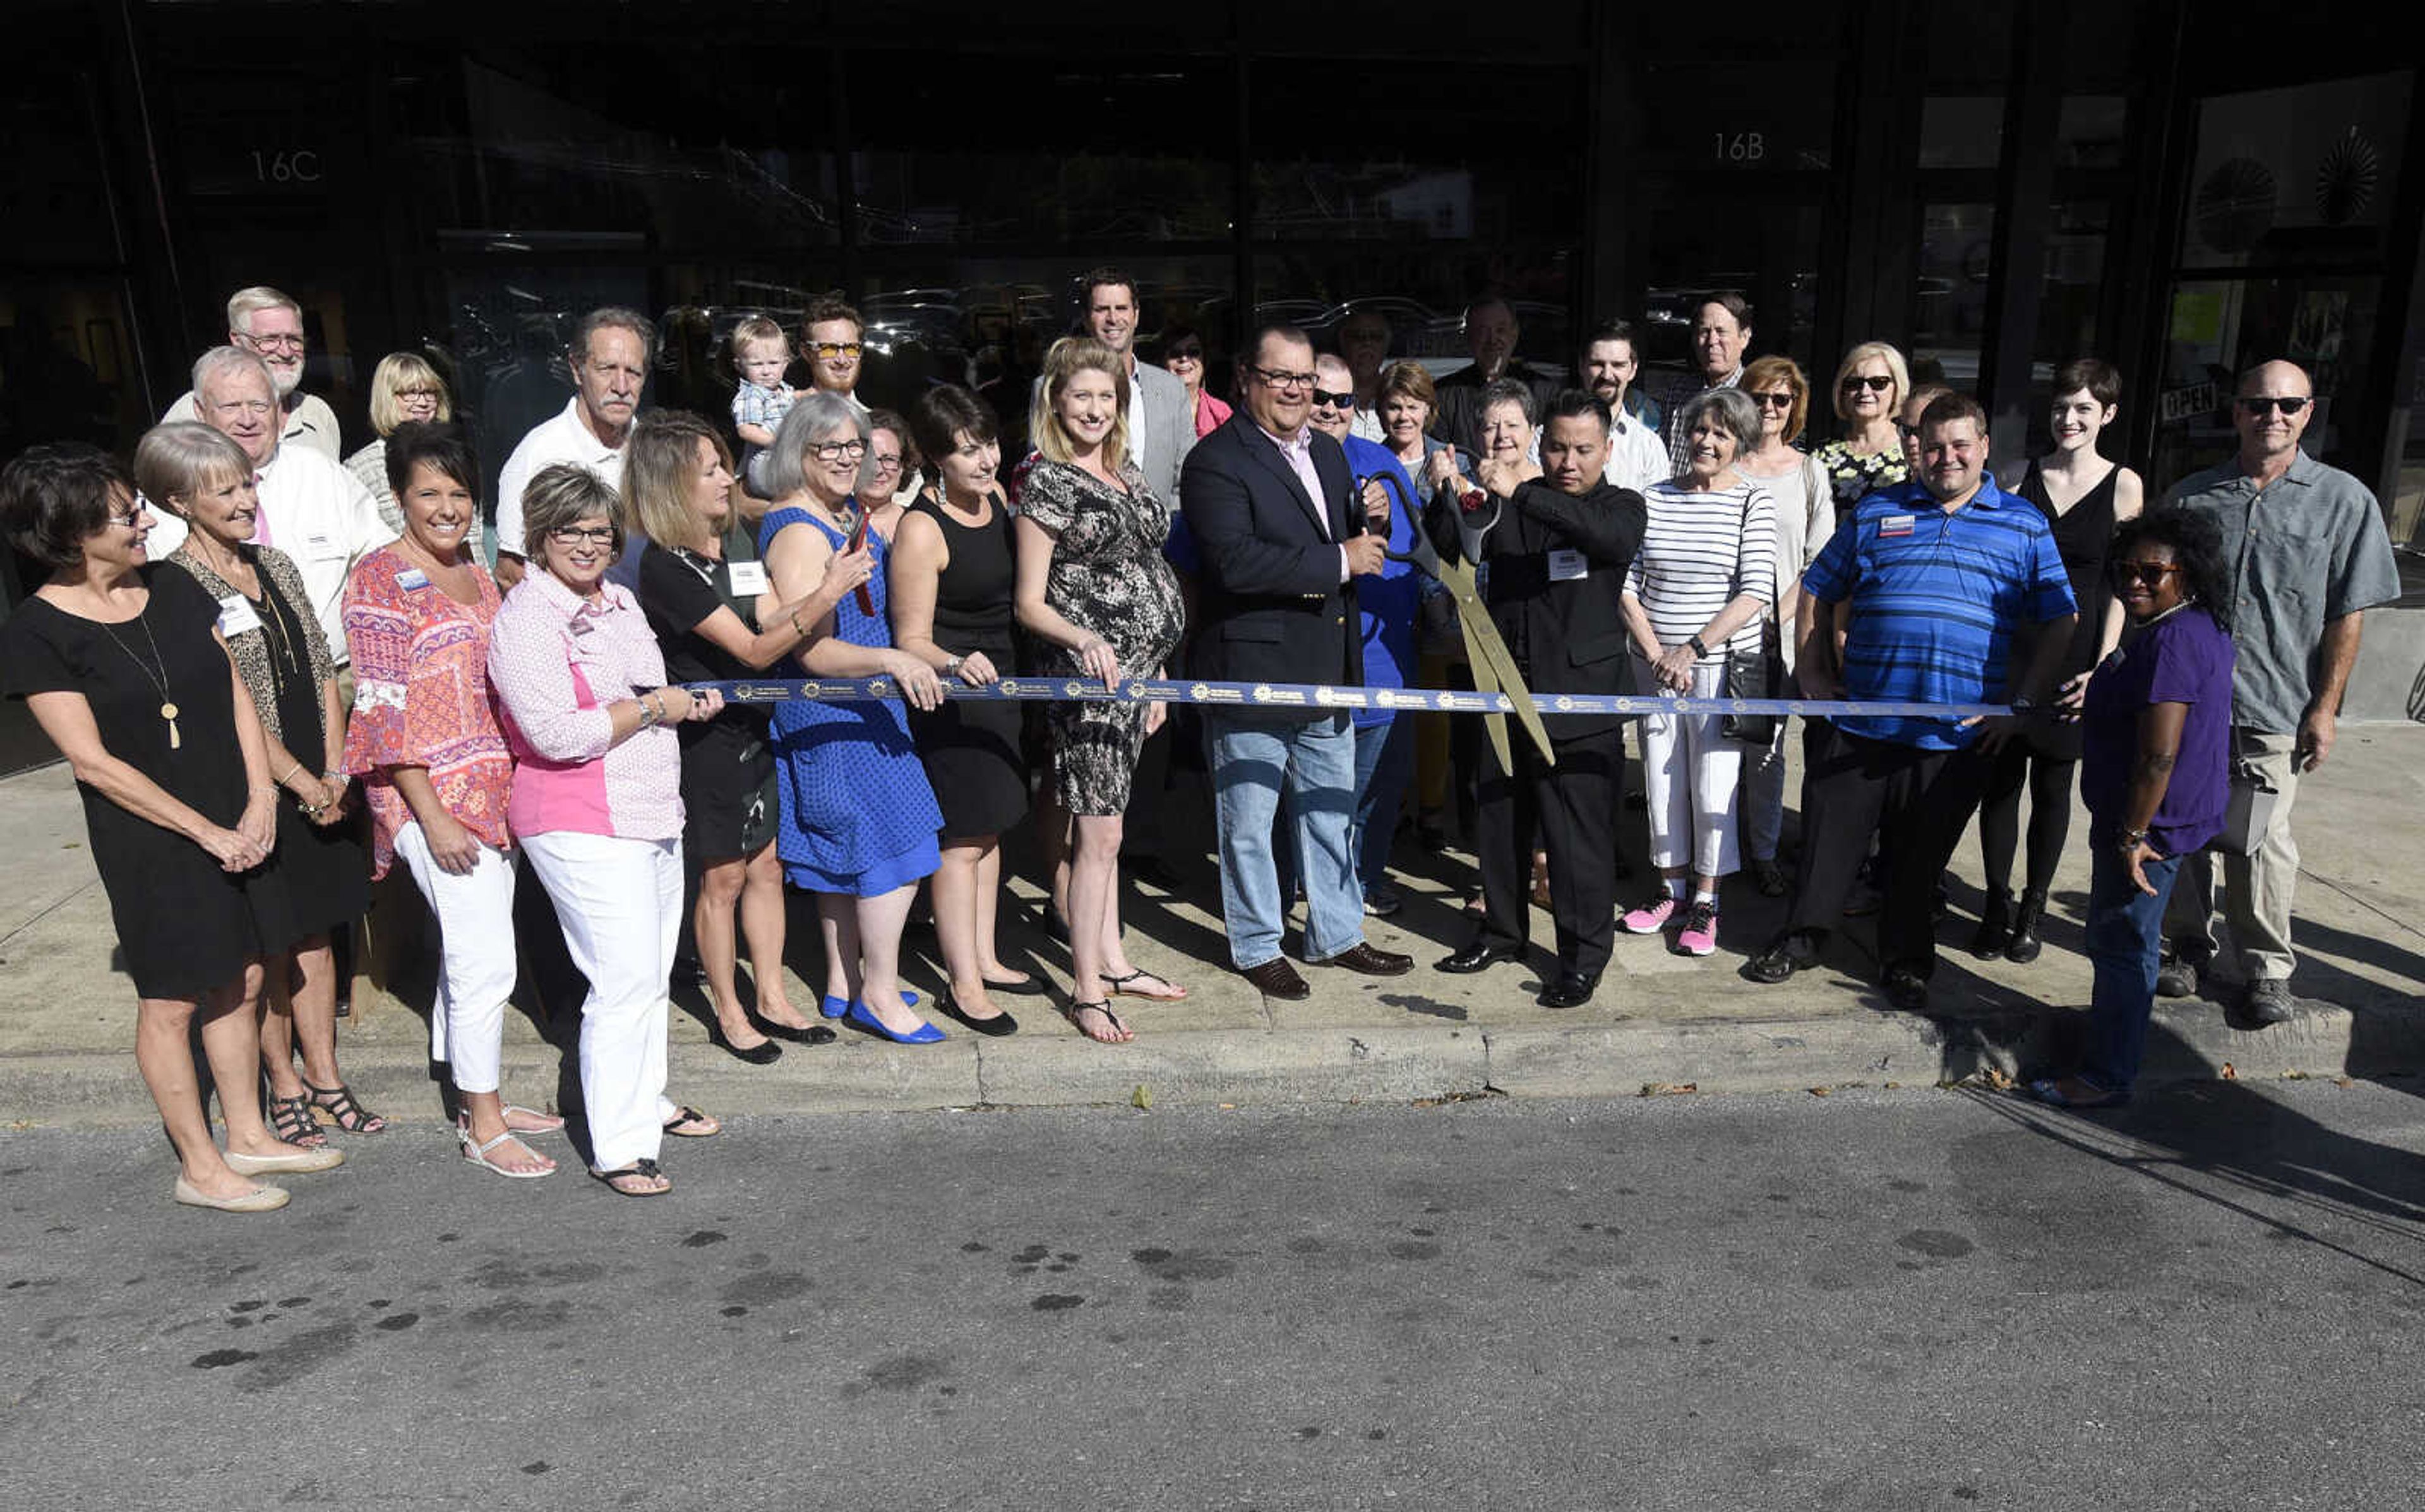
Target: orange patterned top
<point>420,699</point>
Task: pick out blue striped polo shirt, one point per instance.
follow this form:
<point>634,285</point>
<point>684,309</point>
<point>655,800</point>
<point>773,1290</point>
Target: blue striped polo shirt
<point>1936,597</point>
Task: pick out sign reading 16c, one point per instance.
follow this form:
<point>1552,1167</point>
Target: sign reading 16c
<point>1740,147</point>
<point>302,166</point>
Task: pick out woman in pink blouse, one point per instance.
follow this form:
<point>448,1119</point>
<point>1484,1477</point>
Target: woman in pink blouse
<point>436,773</point>
<point>597,805</point>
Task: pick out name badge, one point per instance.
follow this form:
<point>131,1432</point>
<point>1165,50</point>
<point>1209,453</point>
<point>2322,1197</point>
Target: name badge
<point>748,579</point>
<point>412,579</point>
<point>1896,525</point>
<point>236,616</point>
<point>1567,565</point>
<point>321,543</point>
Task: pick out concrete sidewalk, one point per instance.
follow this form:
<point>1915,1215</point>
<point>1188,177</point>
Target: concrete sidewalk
<point>1660,1021</point>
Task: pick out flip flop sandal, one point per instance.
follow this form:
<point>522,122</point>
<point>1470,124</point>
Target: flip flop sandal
<point>1119,986</point>
<point>644,1169</point>
<point>690,1124</point>
<point>1119,1026</point>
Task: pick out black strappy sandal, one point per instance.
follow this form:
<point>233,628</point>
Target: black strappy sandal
<point>645,1169</point>
<point>1104,1008</point>
<point>344,1111</point>
<point>291,1120</point>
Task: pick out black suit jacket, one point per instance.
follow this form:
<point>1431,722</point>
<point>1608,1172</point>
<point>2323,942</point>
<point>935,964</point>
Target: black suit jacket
<point>1568,635</point>
<point>1270,607</point>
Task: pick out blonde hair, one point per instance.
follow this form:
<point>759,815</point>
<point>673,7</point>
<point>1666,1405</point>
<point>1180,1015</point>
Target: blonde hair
<point>660,464</point>
<point>750,332</point>
<point>1068,358</point>
<point>174,459</point>
<point>1896,369</point>
<point>396,373</point>
<point>1760,371</point>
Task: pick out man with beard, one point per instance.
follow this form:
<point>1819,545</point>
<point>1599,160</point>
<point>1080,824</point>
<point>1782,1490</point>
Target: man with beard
<point>269,325</point>
<point>1636,457</point>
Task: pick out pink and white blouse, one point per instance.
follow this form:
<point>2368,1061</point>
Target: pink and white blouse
<point>556,662</point>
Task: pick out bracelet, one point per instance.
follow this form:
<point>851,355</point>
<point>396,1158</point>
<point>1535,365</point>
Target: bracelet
<point>650,713</point>
<point>952,665</point>
<point>280,781</point>
<point>798,629</point>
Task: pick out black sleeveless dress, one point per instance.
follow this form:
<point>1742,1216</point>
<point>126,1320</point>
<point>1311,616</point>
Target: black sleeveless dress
<point>2085,536</point>
<point>971,748</point>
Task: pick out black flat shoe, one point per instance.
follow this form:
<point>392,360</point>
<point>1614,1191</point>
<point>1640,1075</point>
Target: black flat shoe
<point>1033,987</point>
<point>796,1033</point>
<point>1478,957</point>
<point>1571,989</point>
<point>1001,1024</point>
<point>765,1053</point>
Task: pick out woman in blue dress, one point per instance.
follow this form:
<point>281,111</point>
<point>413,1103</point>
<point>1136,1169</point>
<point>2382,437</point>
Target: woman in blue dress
<point>859,824</point>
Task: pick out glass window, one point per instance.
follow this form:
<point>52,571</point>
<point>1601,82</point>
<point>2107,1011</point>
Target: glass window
<point>2297,175</point>
<point>2217,326</point>
<point>1756,116</point>
<point>1949,309</point>
<point>1693,239</point>
<point>1962,131</point>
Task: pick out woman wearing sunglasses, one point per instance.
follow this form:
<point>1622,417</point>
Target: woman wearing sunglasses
<point>1869,454</point>
<point>1182,352</point>
<point>2083,495</point>
<point>2154,772</point>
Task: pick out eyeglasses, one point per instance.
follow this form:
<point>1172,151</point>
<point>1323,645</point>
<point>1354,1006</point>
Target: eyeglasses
<point>416,393</point>
<point>887,464</point>
<point>2146,574</point>
<point>1772,401</point>
<point>1335,401</point>
<point>1282,380</point>
<point>133,518</point>
<point>580,535</point>
<point>836,451</point>
<point>830,350</point>
<point>2255,406</point>
<point>280,343</point>
<point>1874,382</point>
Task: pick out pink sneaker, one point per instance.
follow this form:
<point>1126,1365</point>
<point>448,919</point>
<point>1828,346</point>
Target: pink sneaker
<point>1651,917</point>
<point>1700,936</point>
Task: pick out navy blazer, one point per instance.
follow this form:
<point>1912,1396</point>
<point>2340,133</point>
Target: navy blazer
<point>1270,607</point>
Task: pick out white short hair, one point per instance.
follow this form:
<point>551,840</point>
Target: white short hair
<point>220,360</point>
<point>246,303</point>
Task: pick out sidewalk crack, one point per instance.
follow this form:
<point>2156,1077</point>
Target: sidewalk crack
<point>47,913</point>
<point>2393,919</point>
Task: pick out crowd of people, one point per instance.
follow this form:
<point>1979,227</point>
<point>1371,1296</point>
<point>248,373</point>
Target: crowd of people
<point>275,673</point>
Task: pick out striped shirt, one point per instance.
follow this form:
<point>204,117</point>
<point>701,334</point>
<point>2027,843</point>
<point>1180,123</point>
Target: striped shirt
<point>1936,597</point>
<point>1699,552</point>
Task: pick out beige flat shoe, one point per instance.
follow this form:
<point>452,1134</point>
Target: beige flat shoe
<point>259,1200</point>
<point>327,1157</point>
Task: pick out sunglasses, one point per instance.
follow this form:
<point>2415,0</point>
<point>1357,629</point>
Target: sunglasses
<point>1337,401</point>
<point>1184,354</point>
<point>2255,406</point>
<point>830,350</point>
<point>1772,401</point>
<point>1874,382</point>
<point>2146,574</point>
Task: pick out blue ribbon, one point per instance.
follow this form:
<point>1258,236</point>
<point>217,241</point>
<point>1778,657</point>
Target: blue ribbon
<point>1279,696</point>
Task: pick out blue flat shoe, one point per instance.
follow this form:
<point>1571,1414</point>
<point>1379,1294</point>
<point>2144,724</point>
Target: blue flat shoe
<point>2049,1092</point>
<point>839,1007</point>
<point>859,1018</point>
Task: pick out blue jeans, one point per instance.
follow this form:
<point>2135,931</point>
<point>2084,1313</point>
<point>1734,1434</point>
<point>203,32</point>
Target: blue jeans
<point>1253,764</point>
<point>1385,759</point>
<point>2125,935</point>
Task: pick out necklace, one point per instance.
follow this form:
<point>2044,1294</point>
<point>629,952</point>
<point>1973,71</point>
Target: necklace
<point>157,670</point>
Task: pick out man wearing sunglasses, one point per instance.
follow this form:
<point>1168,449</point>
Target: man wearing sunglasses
<point>269,325</point>
<point>833,340</point>
<point>2306,555</point>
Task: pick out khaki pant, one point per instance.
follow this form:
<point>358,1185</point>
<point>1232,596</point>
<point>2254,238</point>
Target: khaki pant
<point>2258,886</point>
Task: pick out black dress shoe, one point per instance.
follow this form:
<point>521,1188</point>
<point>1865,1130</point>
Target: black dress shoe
<point>1478,957</point>
<point>1788,953</point>
<point>1906,988</point>
<point>1571,989</point>
<point>1001,1024</point>
<point>796,1033</point>
<point>2025,945</point>
<point>764,1053</point>
<point>1370,963</point>
<point>1995,926</point>
<point>1276,978</point>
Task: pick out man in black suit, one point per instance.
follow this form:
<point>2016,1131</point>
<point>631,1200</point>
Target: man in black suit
<point>1279,533</point>
<point>1558,551</point>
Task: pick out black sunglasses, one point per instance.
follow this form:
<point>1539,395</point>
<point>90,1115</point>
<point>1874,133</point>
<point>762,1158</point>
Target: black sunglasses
<point>1183,351</point>
<point>1874,382</point>
<point>2146,574</point>
<point>1337,401</point>
<point>2255,406</point>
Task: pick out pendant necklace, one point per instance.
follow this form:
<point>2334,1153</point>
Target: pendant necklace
<point>157,670</point>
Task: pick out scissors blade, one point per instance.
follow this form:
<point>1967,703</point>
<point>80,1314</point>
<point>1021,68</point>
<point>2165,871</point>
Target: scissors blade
<point>1487,649</point>
<point>1485,682</point>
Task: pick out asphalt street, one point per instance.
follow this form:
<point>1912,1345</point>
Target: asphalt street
<point>1873,1300</point>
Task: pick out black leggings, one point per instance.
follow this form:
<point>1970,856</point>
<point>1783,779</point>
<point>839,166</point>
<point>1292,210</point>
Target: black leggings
<point>2049,780</point>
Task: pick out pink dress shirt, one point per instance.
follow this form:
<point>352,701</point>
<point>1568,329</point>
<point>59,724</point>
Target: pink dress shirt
<point>556,660</point>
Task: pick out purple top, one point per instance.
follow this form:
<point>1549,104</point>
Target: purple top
<point>2183,659</point>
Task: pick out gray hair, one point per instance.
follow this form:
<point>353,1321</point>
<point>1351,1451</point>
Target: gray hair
<point>614,317</point>
<point>246,303</point>
<point>222,360</point>
<point>817,412</point>
<point>567,493</point>
<point>175,459</point>
<point>1507,392</point>
<point>1731,408</point>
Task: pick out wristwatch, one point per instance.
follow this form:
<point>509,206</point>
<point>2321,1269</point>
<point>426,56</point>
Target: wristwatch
<point>2132,840</point>
<point>1699,649</point>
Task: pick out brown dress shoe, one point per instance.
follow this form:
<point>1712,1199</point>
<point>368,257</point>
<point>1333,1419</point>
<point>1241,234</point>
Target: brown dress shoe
<point>1372,963</point>
<point>1276,978</point>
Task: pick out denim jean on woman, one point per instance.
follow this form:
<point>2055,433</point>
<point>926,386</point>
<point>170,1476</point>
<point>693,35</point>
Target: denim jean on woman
<point>2125,934</point>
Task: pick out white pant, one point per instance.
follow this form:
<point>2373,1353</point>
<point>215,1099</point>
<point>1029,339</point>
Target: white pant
<point>475,950</point>
<point>620,903</point>
<point>1691,775</point>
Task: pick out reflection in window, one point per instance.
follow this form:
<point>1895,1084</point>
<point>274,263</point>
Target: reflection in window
<point>2218,327</point>
<point>1949,313</point>
<point>2302,174</point>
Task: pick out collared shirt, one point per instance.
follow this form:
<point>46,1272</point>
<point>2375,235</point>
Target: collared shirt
<point>1678,443</point>
<point>1298,453</point>
<point>757,405</point>
<point>310,423</point>
<point>2302,551</point>
<point>556,660</point>
<point>1936,597</point>
<point>1365,424</point>
<point>1135,416</point>
<point>563,438</point>
<point>1636,457</point>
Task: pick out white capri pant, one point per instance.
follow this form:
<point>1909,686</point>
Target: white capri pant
<point>475,952</point>
<point>1692,777</point>
<point>620,903</point>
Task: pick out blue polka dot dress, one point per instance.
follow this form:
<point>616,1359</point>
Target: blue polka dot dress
<point>858,817</point>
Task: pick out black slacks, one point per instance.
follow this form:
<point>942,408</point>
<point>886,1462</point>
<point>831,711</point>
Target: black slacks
<point>1916,803</point>
<point>1572,806</point>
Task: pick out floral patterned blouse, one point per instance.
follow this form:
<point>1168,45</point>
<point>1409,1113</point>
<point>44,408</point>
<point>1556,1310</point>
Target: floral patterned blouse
<point>420,699</point>
<point>1854,476</point>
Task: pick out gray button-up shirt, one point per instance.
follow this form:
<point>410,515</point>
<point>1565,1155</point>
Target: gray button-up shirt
<point>2307,550</point>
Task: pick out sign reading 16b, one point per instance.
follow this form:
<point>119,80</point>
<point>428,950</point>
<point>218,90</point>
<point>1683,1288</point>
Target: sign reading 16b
<point>302,166</point>
<point>1740,147</point>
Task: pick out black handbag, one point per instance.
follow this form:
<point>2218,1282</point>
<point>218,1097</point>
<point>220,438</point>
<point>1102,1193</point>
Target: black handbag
<point>1752,674</point>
